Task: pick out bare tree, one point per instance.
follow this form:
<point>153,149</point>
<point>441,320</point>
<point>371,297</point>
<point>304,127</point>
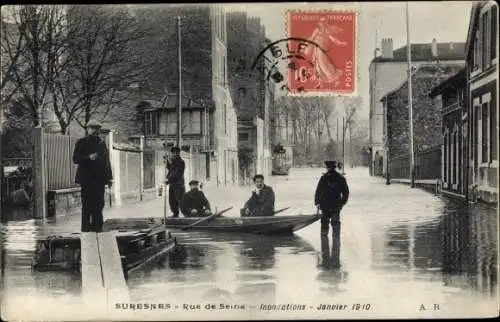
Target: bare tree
<point>12,43</point>
<point>100,66</point>
<point>32,46</point>
<point>310,118</point>
<point>351,105</point>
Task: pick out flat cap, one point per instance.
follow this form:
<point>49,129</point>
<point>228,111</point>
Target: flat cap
<point>94,124</point>
<point>331,164</point>
<point>175,149</point>
<point>192,182</point>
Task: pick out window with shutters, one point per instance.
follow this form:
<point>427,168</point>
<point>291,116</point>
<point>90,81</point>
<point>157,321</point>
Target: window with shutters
<point>225,119</point>
<point>477,52</point>
<point>493,133</point>
<point>484,132</point>
<point>445,154</point>
<point>151,123</point>
<point>486,39</point>
<point>494,32</point>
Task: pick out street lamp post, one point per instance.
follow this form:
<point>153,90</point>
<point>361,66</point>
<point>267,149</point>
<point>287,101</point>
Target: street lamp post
<point>410,100</point>
<point>386,142</point>
<point>179,80</point>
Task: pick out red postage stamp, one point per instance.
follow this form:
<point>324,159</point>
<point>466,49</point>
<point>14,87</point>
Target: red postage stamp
<point>327,61</point>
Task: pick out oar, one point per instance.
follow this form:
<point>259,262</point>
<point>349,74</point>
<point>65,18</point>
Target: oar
<point>208,218</point>
<point>281,210</point>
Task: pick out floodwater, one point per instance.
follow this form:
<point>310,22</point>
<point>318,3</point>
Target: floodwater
<point>401,252</point>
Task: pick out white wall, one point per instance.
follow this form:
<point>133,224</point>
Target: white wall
<point>225,131</point>
<point>259,164</point>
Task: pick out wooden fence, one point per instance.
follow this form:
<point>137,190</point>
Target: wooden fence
<point>427,165</point>
<point>60,169</point>
<point>137,171</point>
<point>130,173</point>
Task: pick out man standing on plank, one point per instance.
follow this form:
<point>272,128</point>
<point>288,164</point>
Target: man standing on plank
<point>175,178</point>
<point>93,174</point>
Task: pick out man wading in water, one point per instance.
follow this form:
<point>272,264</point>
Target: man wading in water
<point>175,178</point>
<point>93,174</point>
<point>331,195</point>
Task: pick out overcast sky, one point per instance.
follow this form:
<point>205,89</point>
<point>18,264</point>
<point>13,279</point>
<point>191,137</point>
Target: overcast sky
<point>445,21</point>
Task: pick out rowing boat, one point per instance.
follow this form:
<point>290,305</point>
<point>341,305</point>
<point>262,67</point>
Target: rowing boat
<point>269,225</point>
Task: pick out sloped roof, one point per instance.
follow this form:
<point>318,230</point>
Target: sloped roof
<point>457,80</point>
<point>423,52</point>
<point>422,70</point>
<point>170,102</point>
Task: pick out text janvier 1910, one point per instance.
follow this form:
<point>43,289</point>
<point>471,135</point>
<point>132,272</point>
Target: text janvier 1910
<point>223,306</point>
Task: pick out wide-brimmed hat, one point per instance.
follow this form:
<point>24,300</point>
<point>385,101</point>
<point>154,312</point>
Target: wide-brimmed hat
<point>94,124</point>
<point>331,164</point>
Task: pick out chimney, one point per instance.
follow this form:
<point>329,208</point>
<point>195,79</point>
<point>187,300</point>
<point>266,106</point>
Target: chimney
<point>434,48</point>
<point>387,49</point>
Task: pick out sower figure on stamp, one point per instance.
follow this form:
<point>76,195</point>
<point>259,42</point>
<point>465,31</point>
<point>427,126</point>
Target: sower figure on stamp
<point>331,195</point>
<point>93,174</point>
<point>323,35</point>
<point>175,178</point>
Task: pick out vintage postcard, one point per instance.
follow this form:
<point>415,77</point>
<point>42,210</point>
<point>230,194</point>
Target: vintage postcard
<point>249,162</point>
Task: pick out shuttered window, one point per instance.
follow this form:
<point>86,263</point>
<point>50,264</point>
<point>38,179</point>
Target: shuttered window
<point>493,132</point>
<point>494,32</point>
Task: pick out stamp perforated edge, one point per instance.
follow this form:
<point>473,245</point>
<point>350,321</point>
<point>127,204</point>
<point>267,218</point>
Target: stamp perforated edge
<point>331,93</point>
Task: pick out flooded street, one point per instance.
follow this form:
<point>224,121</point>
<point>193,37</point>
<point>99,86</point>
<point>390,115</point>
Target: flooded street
<point>401,252</point>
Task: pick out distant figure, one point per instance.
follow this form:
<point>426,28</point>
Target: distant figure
<point>93,174</point>
<point>340,168</point>
<point>261,203</point>
<point>175,178</point>
<point>331,195</point>
<point>194,203</point>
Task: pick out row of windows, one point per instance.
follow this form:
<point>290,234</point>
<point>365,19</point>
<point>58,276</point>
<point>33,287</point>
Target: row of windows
<point>220,23</point>
<point>220,69</point>
<point>484,131</point>
<point>157,123</point>
<point>485,40</point>
<point>451,156</point>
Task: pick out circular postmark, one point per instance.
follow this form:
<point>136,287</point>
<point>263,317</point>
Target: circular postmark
<point>289,59</point>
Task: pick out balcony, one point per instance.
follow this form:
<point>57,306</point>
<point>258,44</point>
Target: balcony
<point>452,107</point>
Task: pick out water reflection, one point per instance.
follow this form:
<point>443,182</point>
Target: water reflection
<point>221,267</point>
<point>461,244</point>
<point>331,274</point>
<point>470,240</point>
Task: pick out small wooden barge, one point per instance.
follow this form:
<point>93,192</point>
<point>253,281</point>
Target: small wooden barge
<point>272,225</point>
<point>137,245</point>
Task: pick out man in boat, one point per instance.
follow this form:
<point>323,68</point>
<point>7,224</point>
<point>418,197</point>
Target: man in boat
<point>194,203</point>
<point>331,195</point>
<point>261,202</point>
<point>175,178</point>
<point>93,174</point>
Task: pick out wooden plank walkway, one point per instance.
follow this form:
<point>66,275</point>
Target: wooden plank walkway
<point>92,277</point>
<point>103,280</point>
<point>113,276</point>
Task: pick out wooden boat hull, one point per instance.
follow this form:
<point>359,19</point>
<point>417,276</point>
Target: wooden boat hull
<point>272,225</point>
<point>137,247</point>
<point>280,172</point>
